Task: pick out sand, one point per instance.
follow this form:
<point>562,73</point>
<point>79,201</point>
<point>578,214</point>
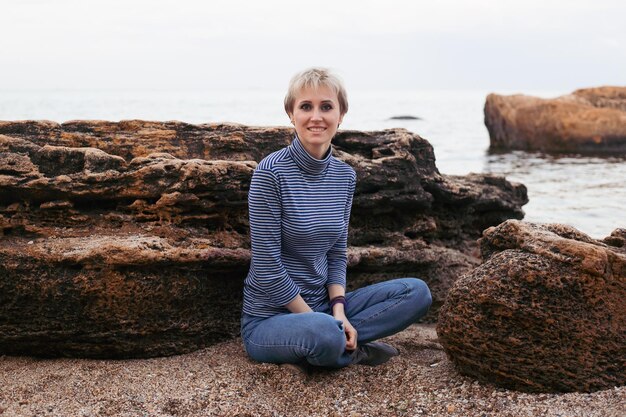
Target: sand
<point>222,381</point>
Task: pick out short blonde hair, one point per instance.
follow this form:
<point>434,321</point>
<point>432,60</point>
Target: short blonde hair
<point>315,78</point>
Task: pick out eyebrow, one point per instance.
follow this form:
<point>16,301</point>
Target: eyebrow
<point>323,101</point>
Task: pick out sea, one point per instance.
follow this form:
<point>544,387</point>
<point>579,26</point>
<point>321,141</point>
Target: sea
<point>587,192</point>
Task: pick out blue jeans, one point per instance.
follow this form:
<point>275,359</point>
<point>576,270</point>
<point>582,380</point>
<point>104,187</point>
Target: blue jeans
<point>375,311</point>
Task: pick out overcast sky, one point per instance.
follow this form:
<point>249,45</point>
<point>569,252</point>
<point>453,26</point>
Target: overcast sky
<point>383,44</point>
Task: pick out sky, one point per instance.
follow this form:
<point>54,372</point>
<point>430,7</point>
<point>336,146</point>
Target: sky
<point>373,45</point>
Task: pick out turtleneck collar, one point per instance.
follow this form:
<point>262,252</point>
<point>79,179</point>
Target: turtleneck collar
<point>305,161</point>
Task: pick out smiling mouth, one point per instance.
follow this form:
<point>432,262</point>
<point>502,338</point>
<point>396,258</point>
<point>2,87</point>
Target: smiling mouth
<point>316,129</point>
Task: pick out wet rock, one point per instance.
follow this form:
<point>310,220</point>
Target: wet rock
<point>617,239</point>
<point>589,120</point>
<point>544,312</point>
<point>405,117</point>
<point>139,239</point>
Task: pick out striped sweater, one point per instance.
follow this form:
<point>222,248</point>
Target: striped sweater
<point>299,214</point>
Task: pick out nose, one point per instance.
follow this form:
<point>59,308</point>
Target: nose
<point>317,114</point>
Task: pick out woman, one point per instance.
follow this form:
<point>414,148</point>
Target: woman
<point>295,306</point>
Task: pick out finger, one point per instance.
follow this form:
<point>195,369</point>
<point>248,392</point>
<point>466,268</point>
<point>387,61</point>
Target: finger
<point>348,340</point>
<point>352,334</point>
<point>351,339</point>
<point>351,345</point>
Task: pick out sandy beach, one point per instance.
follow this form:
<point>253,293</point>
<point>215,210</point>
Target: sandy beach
<point>222,381</point>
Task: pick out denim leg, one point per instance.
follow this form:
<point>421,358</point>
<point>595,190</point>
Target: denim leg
<point>290,338</point>
<point>385,308</point>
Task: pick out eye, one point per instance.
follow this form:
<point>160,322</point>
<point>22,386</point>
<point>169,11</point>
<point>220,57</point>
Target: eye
<point>327,107</point>
<point>305,106</point>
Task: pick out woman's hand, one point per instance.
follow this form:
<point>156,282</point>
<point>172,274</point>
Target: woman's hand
<point>339,313</point>
<point>349,330</point>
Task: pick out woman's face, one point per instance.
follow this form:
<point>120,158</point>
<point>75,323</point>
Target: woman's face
<point>316,117</point>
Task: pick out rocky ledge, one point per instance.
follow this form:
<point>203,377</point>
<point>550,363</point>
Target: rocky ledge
<point>130,239</point>
<point>591,120</point>
<point>545,312</point>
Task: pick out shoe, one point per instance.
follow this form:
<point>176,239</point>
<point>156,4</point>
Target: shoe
<point>374,353</point>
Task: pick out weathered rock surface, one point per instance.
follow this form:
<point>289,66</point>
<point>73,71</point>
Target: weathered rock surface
<point>591,120</point>
<point>545,312</point>
<point>131,238</point>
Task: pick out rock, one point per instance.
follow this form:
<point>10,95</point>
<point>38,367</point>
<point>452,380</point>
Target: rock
<point>405,117</point>
<point>617,239</point>
<point>139,230</point>
<point>544,312</point>
<point>589,120</point>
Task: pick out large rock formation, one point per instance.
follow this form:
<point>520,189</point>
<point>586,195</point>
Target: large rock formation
<point>545,312</point>
<point>590,120</point>
<point>131,238</point>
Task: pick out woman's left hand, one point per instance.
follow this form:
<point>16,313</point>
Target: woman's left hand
<point>349,330</point>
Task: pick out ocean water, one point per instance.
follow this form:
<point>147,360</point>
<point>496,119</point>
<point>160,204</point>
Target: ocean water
<point>588,193</point>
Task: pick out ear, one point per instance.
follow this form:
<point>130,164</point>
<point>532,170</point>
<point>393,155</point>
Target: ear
<point>291,117</point>
<point>340,120</point>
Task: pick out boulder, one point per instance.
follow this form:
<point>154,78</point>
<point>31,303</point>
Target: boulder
<point>544,312</point>
<point>591,120</point>
<point>130,239</point>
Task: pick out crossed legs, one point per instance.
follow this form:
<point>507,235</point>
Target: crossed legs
<point>376,311</point>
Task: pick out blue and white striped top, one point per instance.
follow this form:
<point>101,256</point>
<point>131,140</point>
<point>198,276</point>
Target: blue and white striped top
<point>299,214</point>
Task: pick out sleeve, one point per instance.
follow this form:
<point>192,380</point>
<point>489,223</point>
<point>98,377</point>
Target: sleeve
<point>337,254</point>
<point>264,204</point>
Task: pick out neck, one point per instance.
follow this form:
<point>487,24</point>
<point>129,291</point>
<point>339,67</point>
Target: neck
<point>316,151</point>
